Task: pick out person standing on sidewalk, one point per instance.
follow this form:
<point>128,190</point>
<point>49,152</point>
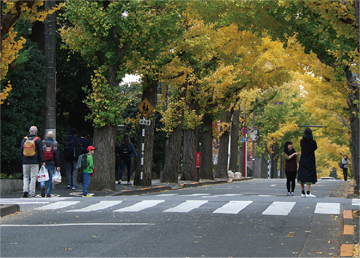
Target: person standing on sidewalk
<point>32,154</point>
<point>51,156</point>
<point>126,149</point>
<point>87,172</point>
<point>345,162</point>
<point>307,165</point>
<point>291,167</point>
<point>69,159</point>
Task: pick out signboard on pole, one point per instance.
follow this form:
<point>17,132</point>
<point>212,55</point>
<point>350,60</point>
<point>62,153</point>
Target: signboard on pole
<point>198,159</point>
<point>145,108</point>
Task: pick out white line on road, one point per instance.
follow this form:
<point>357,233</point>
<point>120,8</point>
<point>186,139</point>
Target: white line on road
<point>327,208</point>
<point>140,206</point>
<point>57,205</point>
<point>233,207</point>
<point>279,208</point>
<point>78,224</point>
<point>355,201</point>
<point>97,206</point>
<point>186,206</point>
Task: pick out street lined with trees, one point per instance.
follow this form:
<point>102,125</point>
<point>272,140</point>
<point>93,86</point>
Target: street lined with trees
<point>200,62</point>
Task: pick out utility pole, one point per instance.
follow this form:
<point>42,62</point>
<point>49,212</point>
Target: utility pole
<point>50,66</point>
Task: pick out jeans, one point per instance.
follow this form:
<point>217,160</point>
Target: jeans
<point>127,164</point>
<point>71,178</point>
<point>51,170</point>
<point>86,182</point>
<point>30,171</point>
<point>345,172</point>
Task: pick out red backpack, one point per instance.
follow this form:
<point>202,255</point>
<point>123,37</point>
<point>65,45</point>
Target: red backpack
<point>48,151</point>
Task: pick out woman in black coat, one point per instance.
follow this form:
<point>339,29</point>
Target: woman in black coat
<point>307,166</point>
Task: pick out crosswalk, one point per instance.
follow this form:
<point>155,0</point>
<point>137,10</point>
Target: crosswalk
<point>276,208</point>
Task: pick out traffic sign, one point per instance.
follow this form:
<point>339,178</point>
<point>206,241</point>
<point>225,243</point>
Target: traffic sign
<point>244,139</point>
<point>145,108</point>
<point>144,122</point>
<point>244,131</point>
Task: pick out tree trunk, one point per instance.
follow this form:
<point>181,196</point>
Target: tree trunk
<point>264,166</point>
<point>275,157</point>
<point>206,167</point>
<point>222,165</point>
<point>190,146</point>
<point>150,95</point>
<point>234,145</point>
<point>104,159</point>
<point>171,167</point>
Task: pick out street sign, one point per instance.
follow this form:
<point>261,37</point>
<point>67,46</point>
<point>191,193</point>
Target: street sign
<point>144,122</point>
<point>244,131</point>
<point>145,108</point>
<point>198,159</point>
<point>244,139</point>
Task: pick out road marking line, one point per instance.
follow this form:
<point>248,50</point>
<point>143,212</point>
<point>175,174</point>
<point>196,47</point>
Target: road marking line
<point>355,201</point>
<point>57,205</point>
<point>79,224</point>
<point>327,208</point>
<point>195,194</point>
<point>140,206</point>
<point>97,206</point>
<point>166,194</point>
<point>232,207</point>
<point>279,208</point>
<point>186,206</point>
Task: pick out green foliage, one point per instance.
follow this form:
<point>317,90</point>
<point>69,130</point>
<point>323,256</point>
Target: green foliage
<point>24,106</point>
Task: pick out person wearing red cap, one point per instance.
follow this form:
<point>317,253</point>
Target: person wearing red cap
<point>88,171</point>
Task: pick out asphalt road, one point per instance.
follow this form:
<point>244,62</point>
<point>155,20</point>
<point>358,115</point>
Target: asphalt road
<point>242,219</point>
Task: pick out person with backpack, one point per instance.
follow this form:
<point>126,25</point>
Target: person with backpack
<point>70,160</point>
<point>345,165</point>
<point>126,149</point>
<point>32,154</point>
<point>51,156</point>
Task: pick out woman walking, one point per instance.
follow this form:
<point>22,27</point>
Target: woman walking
<point>307,165</point>
<point>126,149</point>
<point>345,164</point>
<point>291,167</point>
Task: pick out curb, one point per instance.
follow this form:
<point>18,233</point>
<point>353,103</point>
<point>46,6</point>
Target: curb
<point>7,209</point>
<point>348,235</point>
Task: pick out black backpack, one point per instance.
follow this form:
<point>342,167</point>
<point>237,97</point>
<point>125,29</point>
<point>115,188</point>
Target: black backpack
<point>68,150</point>
<point>78,149</point>
<point>125,150</point>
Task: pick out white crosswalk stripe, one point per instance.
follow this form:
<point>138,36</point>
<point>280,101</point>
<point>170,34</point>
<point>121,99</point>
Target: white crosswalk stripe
<point>279,208</point>
<point>97,206</point>
<point>186,206</point>
<point>355,201</point>
<point>327,208</point>
<point>229,207</point>
<point>140,206</point>
<point>58,205</point>
<point>232,207</point>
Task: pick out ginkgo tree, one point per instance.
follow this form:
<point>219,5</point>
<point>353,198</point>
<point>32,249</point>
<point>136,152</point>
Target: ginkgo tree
<point>10,44</point>
<point>110,33</point>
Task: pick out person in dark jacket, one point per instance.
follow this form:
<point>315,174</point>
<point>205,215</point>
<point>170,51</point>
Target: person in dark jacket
<point>31,163</point>
<point>49,144</point>
<point>307,165</point>
<point>291,167</point>
<point>84,141</point>
<point>69,160</point>
<point>126,149</point>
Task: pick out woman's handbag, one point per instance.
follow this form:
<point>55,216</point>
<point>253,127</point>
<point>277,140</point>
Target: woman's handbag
<point>56,177</point>
<point>43,174</point>
<point>341,165</point>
